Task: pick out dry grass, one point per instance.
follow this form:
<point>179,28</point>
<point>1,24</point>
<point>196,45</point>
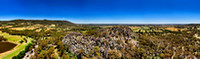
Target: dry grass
<point>196,35</point>
<point>18,28</point>
<point>38,30</point>
<point>24,28</point>
<point>175,29</point>
<point>198,28</point>
<point>106,26</point>
<point>27,28</point>
<point>183,29</point>
<point>6,27</point>
<point>171,29</point>
<point>134,27</point>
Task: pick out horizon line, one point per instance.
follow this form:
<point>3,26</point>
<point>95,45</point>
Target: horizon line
<point>128,23</point>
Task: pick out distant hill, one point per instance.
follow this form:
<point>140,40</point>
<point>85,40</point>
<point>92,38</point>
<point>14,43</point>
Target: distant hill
<point>194,24</point>
<point>44,22</point>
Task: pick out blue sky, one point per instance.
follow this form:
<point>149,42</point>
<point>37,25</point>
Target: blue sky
<point>104,11</point>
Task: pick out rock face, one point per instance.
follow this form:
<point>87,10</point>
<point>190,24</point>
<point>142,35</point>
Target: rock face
<point>115,38</point>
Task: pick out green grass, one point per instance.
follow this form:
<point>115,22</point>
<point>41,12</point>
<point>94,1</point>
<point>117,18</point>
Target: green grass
<point>13,38</point>
<point>146,28</point>
<point>136,30</point>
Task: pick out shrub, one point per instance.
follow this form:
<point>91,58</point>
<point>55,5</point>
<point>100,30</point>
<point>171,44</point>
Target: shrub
<point>15,57</point>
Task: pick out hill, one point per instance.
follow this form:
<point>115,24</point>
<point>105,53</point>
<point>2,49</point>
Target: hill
<point>43,22</point>
<point>105,42</point>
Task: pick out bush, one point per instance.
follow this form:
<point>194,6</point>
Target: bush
<point>15,57</point>
<point>22,53</point>
<point>162,55</point>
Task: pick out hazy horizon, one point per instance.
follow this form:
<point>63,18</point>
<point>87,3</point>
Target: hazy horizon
<point>111,23</point>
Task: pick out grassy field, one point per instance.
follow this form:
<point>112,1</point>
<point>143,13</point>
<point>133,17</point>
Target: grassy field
<point>24,28</point>
<point>14,39</point>
<point>172,29</point>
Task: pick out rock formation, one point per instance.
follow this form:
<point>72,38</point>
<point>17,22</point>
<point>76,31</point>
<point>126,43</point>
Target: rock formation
<point>114,38</point>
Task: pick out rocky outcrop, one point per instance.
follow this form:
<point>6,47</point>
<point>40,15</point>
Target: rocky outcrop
<point>115,38</point>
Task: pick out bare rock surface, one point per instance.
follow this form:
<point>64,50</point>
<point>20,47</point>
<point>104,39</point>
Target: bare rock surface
<point>114,38</point>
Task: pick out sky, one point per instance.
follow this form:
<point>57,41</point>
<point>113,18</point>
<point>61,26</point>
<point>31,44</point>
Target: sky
<point>104,11</point>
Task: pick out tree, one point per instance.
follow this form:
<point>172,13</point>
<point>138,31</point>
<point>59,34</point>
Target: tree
<point>53,56</point>
<point>15,57</point>
<point>64,56</point>
<point>80,53</point>
<point>40,56</point>
<point>21,54</point>
<point>25,40</point>
<point>60,45</point>
<point>21,41</point>
<point>114,54</point>
<point>51,50</point>
<point>1,38</point>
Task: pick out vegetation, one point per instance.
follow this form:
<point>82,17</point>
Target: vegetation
<point>22,53</point>
<point>13,38</point>
<point>65,40</point>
